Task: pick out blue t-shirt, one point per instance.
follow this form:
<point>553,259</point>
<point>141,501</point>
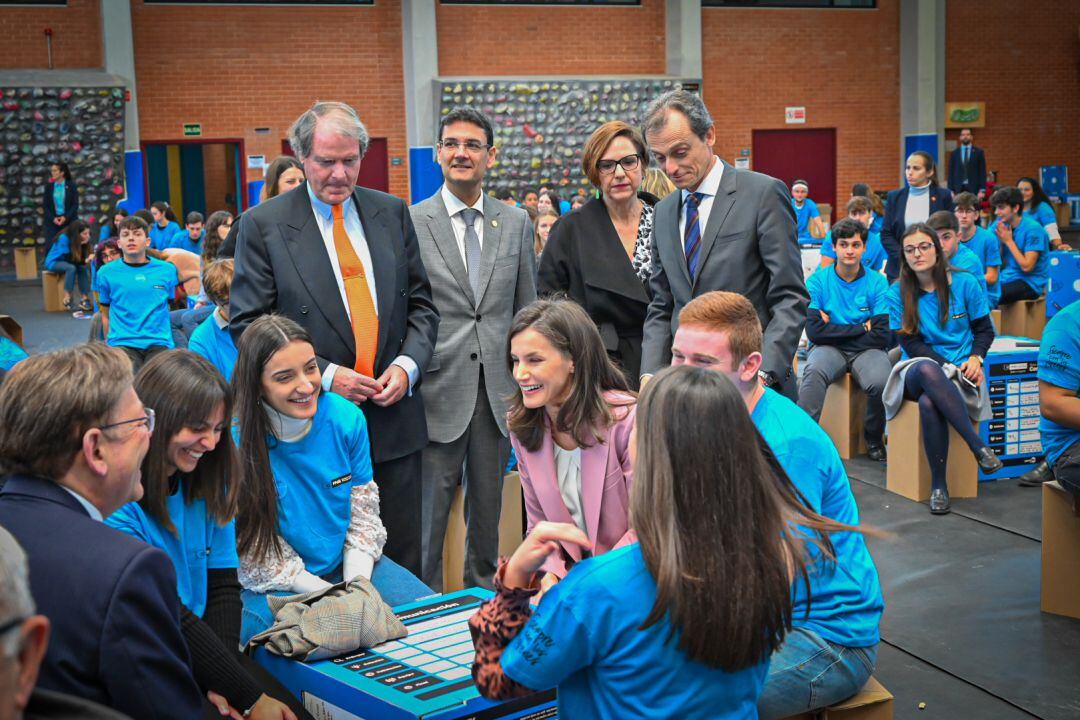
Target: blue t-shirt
<point>845,596</point>
<point>848,303</point>
<point>182,240</point>
<point>876,222</point>
<point>952,341</point>
<point>59,190</point>
<point>10,354</point>
<point>584,638</point>
<point>215,344</point>
<point>138,298</point>
<point>987,248</point>
<point>1059,364</point>
<point>874,258</point>
<point>199,545</point>
<point>1043,214</point>
<point>969,262</point>
<point>803,214</point>
<point>60,249</point>
<point>160,237</point>
<point>1029,236</point>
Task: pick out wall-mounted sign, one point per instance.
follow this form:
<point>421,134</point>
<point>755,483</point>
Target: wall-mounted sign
<point>192,129</point>
<point>965,114</point>
<point>395,161</point>
<point>795,115</point>
<point>256,162</point>
<point>742,163</point>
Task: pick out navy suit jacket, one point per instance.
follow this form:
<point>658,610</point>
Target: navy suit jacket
<point>892,227</point>
<point>112,603</point>
<point>976,170</point>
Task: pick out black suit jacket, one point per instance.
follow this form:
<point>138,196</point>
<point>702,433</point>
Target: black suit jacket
<point>892,227</point>
<point>974,172</point>
<point>71,209</point>
<point>112,603</point>
<point>282,266</point>
<point>584,258</point>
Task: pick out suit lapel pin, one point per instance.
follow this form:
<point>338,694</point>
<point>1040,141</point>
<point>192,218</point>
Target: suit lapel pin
<point>494,223</point>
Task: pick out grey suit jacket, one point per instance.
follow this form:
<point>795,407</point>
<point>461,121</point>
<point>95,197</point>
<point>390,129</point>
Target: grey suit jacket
<point>472,330</point>
<point>749,246</point>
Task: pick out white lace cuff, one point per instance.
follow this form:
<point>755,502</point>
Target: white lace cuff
<point>366,532</point>
<point>270,572</point>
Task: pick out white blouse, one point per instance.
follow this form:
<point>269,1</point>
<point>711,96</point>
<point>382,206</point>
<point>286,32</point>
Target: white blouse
<point>568,474</point>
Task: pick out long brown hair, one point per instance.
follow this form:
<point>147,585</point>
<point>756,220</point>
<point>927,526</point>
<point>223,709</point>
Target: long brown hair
<point>719,521</point>
<point>79,251</point>
<point>257,521</point>
<point>276,169</point>
<point>211,242</point>
<point>909,282</point>
<point>184,389</point>
<point>586,414</point>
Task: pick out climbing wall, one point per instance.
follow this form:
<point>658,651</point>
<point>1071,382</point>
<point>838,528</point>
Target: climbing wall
<point>82,126</point>
<point>541,126</point>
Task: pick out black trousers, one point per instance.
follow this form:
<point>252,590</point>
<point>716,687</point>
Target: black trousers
<point>139,356</point>
<point>1016,290</point>
<point>270,685</point>
<point>1067,469</point>
<point>400,509</point>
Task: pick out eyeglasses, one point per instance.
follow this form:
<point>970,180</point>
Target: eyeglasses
<point>473,146</point>
<point>147,420</point>
<point>11,625</point>
<point>630,162</point>
<point>921,248</point>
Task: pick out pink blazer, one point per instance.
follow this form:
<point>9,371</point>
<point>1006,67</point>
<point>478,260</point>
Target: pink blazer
<point>606,473</point>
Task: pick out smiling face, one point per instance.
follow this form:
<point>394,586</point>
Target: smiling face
<point>543,373</point>
<point>123,450</point>
<point>1026,190</point>
<point>1007,214</point>
<point>191,443</point>
<point>291,380</point>
<point>530,200</point>
<point>543,203</point>
<point>709,349</point>
<point>683,156</point>
<point>460,166</point>
<point>334,164</point>
<point>620,184</point>
<point>56,173</point>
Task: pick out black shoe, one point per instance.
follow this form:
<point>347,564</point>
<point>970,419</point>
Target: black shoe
<point>939,502</point>
<point>876,452</point>
<point>1037,475</point>
<point>988,461</point>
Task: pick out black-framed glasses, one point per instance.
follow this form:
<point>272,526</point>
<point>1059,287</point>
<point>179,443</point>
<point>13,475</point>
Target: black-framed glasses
<point>147,420</point>
<point>628,163</point>
<point>921,248</point>
<point>473,146</point>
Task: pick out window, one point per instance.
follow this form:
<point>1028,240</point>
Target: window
<point>843,4</point>
<point>541,2</point>
<point>32,2</point>
<point>258,2</point>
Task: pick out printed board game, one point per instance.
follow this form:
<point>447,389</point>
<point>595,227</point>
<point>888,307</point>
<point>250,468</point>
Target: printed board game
<point>1013,385</point>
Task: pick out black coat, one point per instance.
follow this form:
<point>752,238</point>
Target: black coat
<point>71,209</point>
<point>892,227</point>
<point>975,172</point>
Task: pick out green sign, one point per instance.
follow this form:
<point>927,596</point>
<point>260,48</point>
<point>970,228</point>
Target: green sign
<point>192,129</point>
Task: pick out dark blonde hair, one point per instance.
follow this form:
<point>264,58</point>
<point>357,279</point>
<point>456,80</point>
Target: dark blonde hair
<point>217,279</point>
<point>727,312</point>
<point>538,243</point>
<point>598,143</point>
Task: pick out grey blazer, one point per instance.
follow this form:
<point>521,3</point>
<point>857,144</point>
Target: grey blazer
<point>749,246</point>
<point>472,330</point>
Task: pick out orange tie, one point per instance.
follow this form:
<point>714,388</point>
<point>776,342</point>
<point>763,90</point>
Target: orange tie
<point>365,323</point>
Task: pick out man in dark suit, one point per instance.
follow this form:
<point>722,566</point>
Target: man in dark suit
<point>725,229</point>
<point>967,167</point>
<point>344,263</point>
<point>73,435</point>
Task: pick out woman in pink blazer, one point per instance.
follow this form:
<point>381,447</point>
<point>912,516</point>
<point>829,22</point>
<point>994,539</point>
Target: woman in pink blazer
<point>570,427</point>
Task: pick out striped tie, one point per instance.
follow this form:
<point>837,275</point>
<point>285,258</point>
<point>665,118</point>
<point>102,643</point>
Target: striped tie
<point>692,233</point>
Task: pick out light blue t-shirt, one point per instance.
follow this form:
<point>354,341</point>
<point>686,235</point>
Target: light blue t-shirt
<point>160,237</point>
<point>214,343</point>
<point>803,214</point>
<point>60,248</point>
<point>969,262</point>
<point>845,602</point>
<point>987,248</point>
<point>848,303</point>
<point>199,545</point>
<point>10,354</point>
<point>584,638</point>
<point>876,222</point>
<point>1043,214</point>
<point>952,341</point>
<point>874,257</point>
<point>59,189</point>
<point>1059,364</point>
<point>138,298</point>
<point>182,240</point>
<point>1029,236</point>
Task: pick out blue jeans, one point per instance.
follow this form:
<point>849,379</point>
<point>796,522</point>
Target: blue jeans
<point>396,585</point>
<point>71,273</point>
<point>809,673</point>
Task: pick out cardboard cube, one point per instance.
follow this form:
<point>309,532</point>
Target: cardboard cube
<point>52,288</point>
<point>25,263</point>
<point>910,478</point>
<point>511,531</point>
<point>1063,288</point>
<point>844,415</point>
<point>1060,551</point>
<point>995,317</point>
<point>873,702</point>
<point>13,329</point>
<point>1024,318</point>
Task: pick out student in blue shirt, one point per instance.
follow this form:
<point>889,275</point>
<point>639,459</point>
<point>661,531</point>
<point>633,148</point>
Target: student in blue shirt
<point>111,229</point>
<point>1037,207</point>
<point>164,226</point>
<point>191,237</point>
<point>958,256</point>
<point>807,215</point>
<point>874,256</point>
<point>134,296</point>
<point>1024,246</point>
<point>309,513</point>
<point>655,629</point>
<point>847,323</point>
<point>980,241</point>
<point>189,499</point>
<point>211,338</point>
<point>943,324</point>
<point>70,254</point>
<point>878,207</point>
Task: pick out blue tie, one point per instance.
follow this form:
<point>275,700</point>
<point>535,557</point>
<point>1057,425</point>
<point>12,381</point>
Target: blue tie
<point>692,232</point>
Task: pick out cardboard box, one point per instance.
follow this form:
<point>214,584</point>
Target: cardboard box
<point>1054,180</point>
<point>1063,214</point>
<point>873,702</point>
<point>388,682</point>
<point>26,263</point>
<point>844,415</point>
<point>13,329</point>
<point>1064,286</point>
<point>511,530</point>
<point>1024,318</point>
<point>995,317</point>
<point>52,288</point>
<point>1060,551</point>
<point>1012,432</point>
<point>912,480</point>
<point>1073,201</point>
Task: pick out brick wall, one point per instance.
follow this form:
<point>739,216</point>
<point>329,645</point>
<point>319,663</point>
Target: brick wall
<point>215,178</point>
<point>76,39</point>
<point>1023,61</point>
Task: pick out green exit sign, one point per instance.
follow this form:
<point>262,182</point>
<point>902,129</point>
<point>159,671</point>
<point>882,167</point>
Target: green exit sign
<point>192,129</point>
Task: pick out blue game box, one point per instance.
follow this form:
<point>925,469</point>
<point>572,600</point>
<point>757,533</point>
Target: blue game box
<point>1012,432</point>
<point>1063,289</point>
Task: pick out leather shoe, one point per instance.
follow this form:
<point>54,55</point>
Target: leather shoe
<point>988,461</point>
<point>1037,475</point>
<point>939,502</point>
<point>876,452</point>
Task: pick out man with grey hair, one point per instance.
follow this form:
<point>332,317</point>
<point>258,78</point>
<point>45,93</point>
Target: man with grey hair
<point>726,229</point>
<point>343,262</point>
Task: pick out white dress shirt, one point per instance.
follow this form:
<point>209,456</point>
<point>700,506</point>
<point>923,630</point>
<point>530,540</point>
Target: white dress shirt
<point>454,206</point>
<point>91,510</point>
<point>917,209</point>
<point>708,187</point>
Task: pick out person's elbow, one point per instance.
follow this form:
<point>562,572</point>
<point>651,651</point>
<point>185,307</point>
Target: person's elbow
<point>1058,406</point>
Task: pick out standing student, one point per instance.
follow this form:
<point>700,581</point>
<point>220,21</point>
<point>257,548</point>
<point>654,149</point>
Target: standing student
<point>162,228</point>
<point>874,257</point>
<point>191,237</point>
<point>1025,268</point>
<point>943,324</point>
<point>545,220</point>
<point>911,204</point>
<point>134,296</point>
<point>981,242</point>
<point>211,338</point>
<point>190,485</point>
<point>70,254</point>
<point>283,174</point>
<point>309,513</point>
<point>847,324</point>
<point>1037,207</point>
<point>59,200</point>
<point>957,255</point>
<point>807,216</point>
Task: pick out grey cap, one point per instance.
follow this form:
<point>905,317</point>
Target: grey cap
<point>15,599</point>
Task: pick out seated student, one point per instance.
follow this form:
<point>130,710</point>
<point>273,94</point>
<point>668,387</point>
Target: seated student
<point>309,513</point>
<point>859,209</point>
<point>847,323</point>
<point>1025,268</point>
<point>980,241</point>
<point>134,296</point>
<point>191,237</point>
<point>832,648</point>
<point>73,434</point>
<point>570,428</point>
<point>106,252</point>
<point>878,207</point>
<point>164,225</point>
<point>211,338</point>
<point>653,629</point>
<point>111,230</point>
<point>1037,207</point>
<point>957,256</point>
<point>807,215</point>
<point>189,499</point>
<point>70,254</point>
<point>943,324</point>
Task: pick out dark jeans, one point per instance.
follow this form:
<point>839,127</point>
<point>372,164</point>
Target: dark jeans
<point>139,356</point>
<point>400,503</point>
<point>870,369</point>
<point>1016,290</point>
<point>1067,468</point>
<point>71,274</point>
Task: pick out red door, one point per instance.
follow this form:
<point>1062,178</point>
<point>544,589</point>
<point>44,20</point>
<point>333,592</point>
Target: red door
<point>808,155</point>
<point>374,169</point>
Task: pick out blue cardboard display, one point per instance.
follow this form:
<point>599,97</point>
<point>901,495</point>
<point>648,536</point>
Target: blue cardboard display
<point>1074,209</point>
<point>1012,432</point>
<point>425,675</point>
<point>1054,179</point>
<point>1064,286</point>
